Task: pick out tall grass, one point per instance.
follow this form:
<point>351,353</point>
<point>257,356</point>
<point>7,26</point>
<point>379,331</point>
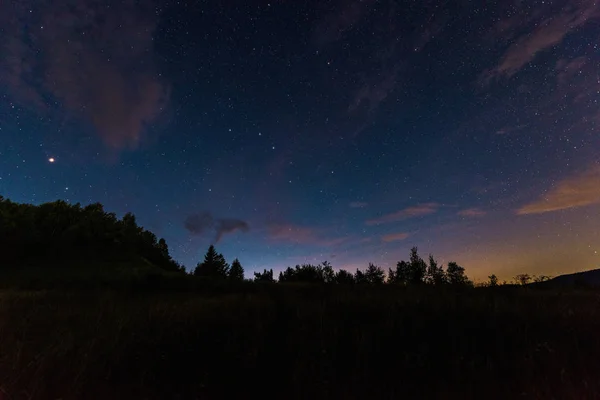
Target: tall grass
<point>294,341</point>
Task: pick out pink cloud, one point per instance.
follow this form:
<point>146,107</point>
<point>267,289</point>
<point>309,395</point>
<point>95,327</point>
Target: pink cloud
<point>410,212</point>
<point>81,55</point>
<point>301,235</point>
<point>472,212</point>
<point>395,237</point>
<point>576,191</point>
<point>566,69</point>
<point>543,36</point>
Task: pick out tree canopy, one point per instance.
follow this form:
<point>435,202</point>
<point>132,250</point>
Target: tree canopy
<point>265,276</point>
<point>58,232</point>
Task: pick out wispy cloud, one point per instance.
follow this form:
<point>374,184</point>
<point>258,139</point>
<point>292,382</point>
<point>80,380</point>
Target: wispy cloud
<point>301,234</point>
<point>575,191</point>
<point>472,213</point>
<point>544,35</point>
<point>394,237</point>
<point>566,69</point>
<point>358,204</point>
<point>229,225</point>
<point>96,62</point>
<point>410,212</point>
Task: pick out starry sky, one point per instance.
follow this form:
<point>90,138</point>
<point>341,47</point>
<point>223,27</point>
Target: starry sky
<point>301,131</point>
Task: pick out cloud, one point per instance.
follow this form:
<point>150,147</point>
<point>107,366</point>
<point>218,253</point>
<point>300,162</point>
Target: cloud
<point>358,204</point>
<point>201,223</point>
<point>395,237</point>
<point>410,212</point>
<point>472,212</point>
<point>300,234</point>
<point>292,233</point>
<point>575,191</point>
<point>576,84</point>
<point>229,225</point>
<point>545,35</point>
<point>198,224</point>
<point>567,69</point>
<point>95,62</point>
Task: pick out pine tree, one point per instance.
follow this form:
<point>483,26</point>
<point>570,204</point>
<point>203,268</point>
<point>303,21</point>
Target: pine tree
<point>213,266</point>
<point>236,272</point>
<point>222,268</point>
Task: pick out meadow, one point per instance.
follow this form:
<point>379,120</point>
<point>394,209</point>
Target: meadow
<point>176,338</point>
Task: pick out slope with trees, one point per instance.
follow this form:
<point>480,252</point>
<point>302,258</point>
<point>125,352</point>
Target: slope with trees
<point>59,233</point>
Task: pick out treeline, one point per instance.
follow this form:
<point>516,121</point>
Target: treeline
<point>58,232</point>
<point>415,271</point>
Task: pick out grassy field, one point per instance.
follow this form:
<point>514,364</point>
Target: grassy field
<point>160,341</point>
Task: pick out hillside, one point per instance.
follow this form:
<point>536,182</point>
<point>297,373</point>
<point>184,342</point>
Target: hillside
<point>59,235</point>
<point>585,278</point>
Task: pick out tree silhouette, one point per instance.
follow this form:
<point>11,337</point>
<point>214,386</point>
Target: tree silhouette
<point>236,272</point>
<point>214,265</point>
<point>265,276</point>
<point>374,275</point>
<point>360,277</point>
<point>523,279</point>
<point>344,277</point>
<point>541,278</point>
<point>456,274</point>
<point>327,272</point>
<point>418,268</point>
<point>401,275</point>
<point>493,280</point>
<point>308,273</point>
<point>435,273</point>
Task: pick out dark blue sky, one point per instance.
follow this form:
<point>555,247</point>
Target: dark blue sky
<point>295,132</point>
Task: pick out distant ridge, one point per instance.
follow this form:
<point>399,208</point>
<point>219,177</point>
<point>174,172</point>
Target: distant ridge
<point>586,278</point>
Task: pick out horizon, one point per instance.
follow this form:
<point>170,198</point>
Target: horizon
<point>346,131</point>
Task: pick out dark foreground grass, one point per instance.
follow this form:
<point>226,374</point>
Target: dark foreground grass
<point>295,342</point>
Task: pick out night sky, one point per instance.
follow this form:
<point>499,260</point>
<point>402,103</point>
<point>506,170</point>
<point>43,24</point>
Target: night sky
<point>303,131</point>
